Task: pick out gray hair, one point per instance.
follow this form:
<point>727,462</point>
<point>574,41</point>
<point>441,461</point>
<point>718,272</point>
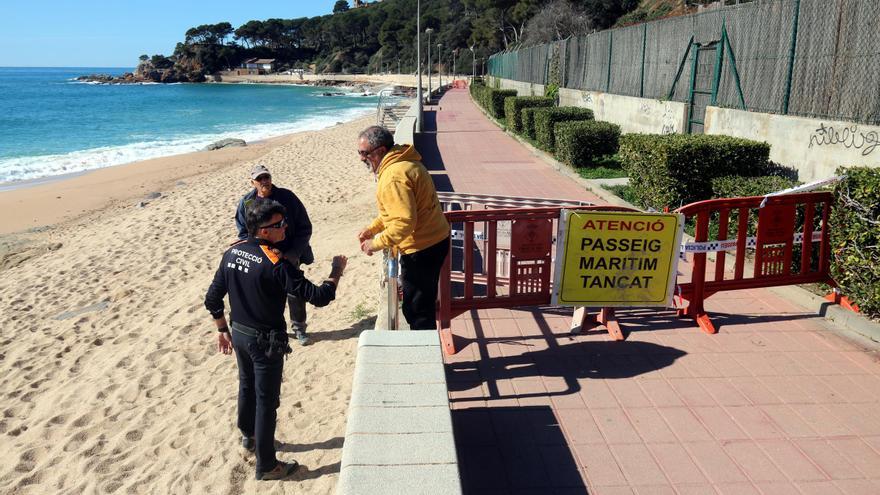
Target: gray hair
<point>376,136</point>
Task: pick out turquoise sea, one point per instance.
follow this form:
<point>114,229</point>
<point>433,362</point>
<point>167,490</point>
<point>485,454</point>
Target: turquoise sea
<point>51,124</point>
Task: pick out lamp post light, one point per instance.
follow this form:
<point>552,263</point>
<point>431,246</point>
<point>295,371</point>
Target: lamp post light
<point>428,32</point>
<point>419,98</point>
<point>473,65</point>
<point>440,65</point>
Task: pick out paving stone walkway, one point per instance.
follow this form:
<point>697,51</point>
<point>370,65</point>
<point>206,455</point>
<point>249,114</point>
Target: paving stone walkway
<point>775,403</point>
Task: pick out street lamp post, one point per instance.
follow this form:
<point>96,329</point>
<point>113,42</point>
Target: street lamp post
<point>419,63</point>
<point>428,32</point>
<point>440,65</point>
<point>473,65</point>
<point>454,53</point>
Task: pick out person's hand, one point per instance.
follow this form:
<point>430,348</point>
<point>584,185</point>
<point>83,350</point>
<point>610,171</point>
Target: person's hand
<point>364,235</point>
<point>339,264</point>
<point>367,247</point>
<point>224,343</point>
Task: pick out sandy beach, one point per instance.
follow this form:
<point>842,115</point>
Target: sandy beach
<point>111,378</point>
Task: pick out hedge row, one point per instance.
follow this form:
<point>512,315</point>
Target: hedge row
<point>546,119</point>
<point>491,99</point>
<point>855,238</point>
<point>579,143</point>
<point>677,169</point>
<point>513,106</point>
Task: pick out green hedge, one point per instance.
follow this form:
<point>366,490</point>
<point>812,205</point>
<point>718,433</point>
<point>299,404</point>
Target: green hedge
<point>736,186</point>
<point>528,121</point>
<point>677,169</point>
<point>546,119</point>
<point>491,99</point>
<point>579,143</point>
<point>855,238</point>
<point>513,106</point>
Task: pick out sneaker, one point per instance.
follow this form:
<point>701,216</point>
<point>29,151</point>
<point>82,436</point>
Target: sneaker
<point>282,470</point>
<point>248,443</point>
<point>302,338</point>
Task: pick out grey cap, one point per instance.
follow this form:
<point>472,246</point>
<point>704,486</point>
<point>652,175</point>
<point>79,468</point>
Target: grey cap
<point>259,170</point>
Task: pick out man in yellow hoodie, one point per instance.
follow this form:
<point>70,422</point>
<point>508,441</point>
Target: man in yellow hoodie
<point>410,222</point>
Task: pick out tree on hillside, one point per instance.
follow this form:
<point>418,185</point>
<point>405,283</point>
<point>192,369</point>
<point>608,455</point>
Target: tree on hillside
<point>557,21</point>
<point>340,6</point>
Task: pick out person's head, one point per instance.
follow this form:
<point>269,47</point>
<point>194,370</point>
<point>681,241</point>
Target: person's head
<point>264,219</point>
<point>374,143</point>
<point>261,180</point>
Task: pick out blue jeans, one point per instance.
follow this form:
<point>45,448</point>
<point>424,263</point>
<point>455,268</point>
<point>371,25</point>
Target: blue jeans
<point>259,391</point>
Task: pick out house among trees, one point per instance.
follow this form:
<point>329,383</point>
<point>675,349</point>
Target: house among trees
<point>254,66</point>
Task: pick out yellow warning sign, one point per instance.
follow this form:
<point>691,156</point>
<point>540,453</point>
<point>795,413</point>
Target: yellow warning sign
<point>617,258</point>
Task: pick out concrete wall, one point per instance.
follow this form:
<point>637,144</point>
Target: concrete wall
<point>632,114</point>
<point>814,147</point>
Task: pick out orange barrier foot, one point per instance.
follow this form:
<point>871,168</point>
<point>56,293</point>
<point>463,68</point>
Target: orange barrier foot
<point>581,321</point>
<point>843,301</point>
<point>705,323</point>
<point>447,342</point>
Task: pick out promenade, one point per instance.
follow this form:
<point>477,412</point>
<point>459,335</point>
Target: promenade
<point>776,403</point>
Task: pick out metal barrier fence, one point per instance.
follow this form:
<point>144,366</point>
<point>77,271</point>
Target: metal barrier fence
<point>814,58</point>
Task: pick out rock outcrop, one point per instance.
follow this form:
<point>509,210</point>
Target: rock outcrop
<point>225,143</point>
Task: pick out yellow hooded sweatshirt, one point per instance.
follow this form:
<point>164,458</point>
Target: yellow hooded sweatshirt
<point>410,217</point>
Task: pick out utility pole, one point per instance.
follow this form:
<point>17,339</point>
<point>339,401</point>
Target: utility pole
<point>419,98</point>
<point>428,32</point>
<point>473,65</point>
<point>440,65</point>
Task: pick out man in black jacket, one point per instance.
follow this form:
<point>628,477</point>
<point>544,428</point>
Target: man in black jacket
<point>258,283</point>
<point>295,246</point>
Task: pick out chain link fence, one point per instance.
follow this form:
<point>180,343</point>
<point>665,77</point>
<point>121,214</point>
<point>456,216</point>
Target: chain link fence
<point>814,58</point>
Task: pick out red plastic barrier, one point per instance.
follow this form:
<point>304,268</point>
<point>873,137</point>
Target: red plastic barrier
<point>779,221</point>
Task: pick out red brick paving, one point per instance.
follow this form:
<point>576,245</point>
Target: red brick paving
<point>775,403</point>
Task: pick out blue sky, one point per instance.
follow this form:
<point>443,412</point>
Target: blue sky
<point>113,33</point>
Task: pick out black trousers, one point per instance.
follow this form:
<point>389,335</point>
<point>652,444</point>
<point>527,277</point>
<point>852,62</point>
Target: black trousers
<point>420,274</point>
<point>259,391</point>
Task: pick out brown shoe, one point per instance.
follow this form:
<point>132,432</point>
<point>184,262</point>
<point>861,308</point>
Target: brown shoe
<point>282,470</point>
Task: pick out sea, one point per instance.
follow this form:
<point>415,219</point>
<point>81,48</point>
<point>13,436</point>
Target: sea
<point>51,124</point>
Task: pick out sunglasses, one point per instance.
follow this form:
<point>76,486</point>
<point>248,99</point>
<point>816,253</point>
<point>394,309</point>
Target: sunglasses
<point>278,225</point>
<point>263,178</point>
<point>365,154</point>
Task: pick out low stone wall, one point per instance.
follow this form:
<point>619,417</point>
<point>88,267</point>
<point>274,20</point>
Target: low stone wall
<point>814,147</point>
<point>522,88</point>
<point>398,438</point>
<point>644,115</point>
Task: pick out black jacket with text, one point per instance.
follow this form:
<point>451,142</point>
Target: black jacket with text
<point>258,282</point>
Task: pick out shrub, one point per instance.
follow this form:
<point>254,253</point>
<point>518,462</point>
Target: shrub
<point>546,119</point>
<point>528,121</point>
<point>513,106</point>
<point>676,169</point>
<point>855,238</point>
<point>494,101</point>
<point>736,186</point>
<point>580,143</point>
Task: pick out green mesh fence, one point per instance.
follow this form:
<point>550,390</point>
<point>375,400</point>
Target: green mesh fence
<point>815,58</point>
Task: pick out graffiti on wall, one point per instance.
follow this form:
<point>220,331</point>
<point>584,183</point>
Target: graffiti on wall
<point>850,137</point>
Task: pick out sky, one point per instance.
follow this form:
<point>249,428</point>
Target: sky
<point>114,33</point>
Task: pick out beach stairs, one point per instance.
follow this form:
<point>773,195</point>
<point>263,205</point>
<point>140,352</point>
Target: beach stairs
<point>391,115</point>
<point>399,437</point>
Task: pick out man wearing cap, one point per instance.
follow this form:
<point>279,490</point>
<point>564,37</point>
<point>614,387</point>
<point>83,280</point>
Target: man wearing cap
<point>295,246</point>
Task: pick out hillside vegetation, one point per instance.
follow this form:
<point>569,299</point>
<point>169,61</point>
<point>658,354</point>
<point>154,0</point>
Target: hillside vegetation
<point>381,36</point>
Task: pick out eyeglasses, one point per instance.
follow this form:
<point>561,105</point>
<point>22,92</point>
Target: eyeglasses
<point>278,225</point>
<point>365,154</point>
<point>263,178</point>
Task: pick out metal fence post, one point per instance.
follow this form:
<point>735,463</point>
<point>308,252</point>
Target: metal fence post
<point>610,48</point>
<point>644,47</point>
<point>791,53</point>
